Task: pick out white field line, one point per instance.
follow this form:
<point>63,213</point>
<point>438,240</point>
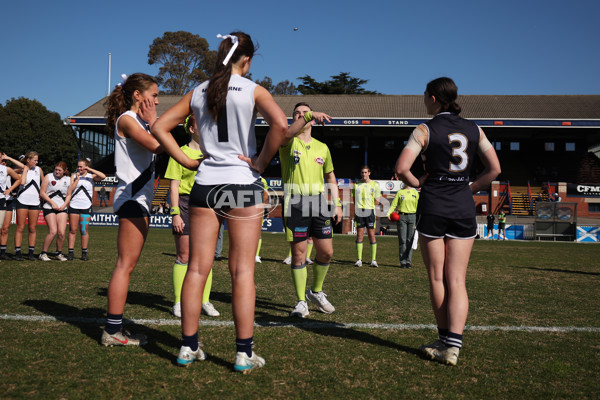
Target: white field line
<point>305,325</point>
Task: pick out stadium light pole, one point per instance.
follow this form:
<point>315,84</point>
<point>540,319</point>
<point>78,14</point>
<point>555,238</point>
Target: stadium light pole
<point>109,65</point>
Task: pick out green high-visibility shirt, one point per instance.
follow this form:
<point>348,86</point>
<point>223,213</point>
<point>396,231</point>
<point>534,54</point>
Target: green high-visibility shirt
<point>405,201</point>
<point>365,194</point>
<point>303,166</point>
<point>178,172</point>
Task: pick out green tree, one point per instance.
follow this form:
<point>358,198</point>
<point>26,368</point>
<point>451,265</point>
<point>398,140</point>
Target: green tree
<point>185,61</point>
<point>27,124</point>
<point>285,87</point>
<point>338,84</point>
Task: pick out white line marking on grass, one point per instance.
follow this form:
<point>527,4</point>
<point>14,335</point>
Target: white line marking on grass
<point>301,324</point>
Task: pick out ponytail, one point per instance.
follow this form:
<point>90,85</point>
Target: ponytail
<point>218,86</point>
<point>121,98</point>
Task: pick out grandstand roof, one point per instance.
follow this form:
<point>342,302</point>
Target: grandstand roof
<point>521,107</point>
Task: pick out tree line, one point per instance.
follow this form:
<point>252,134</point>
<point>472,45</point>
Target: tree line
<point>184,60</point>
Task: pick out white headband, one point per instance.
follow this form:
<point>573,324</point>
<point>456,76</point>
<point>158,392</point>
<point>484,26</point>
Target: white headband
<point>235,41</point>
<point>123,80</point>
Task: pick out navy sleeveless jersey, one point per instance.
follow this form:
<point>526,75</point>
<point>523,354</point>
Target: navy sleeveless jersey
<point>448,158</point>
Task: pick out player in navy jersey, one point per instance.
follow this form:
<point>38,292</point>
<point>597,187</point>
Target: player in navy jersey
<point>446,222</point>
<point>225,109</point>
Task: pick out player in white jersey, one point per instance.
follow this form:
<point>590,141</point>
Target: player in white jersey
<point>80,207</point>
<point>9,203</point>
<point>6,188</point>
<point>131,110</point>
<point>28,204</point>
<point>56,195</point>
<point>227,187</point>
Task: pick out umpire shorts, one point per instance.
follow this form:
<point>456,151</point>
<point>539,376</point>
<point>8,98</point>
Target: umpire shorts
<point>184,213</point>
<point>364,218</point>
<point>308,217</point>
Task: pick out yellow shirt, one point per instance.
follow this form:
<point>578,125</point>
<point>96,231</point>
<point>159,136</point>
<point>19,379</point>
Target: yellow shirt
<point>365,194</point>
<point>303,165</point>
<point>406,201</point>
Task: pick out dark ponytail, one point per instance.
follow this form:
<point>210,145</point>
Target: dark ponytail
<point>216,93</point>
<point>445,92</point>
<point>121,98</point>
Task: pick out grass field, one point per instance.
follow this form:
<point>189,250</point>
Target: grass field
<point>533,329</point>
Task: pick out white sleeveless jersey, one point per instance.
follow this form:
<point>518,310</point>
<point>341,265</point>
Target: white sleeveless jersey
<point>81,199</point>
<point>229,137</point>
<point>134,169</point>
<point>57,190</point>
<point>5,181</point>
<point>30,193</point>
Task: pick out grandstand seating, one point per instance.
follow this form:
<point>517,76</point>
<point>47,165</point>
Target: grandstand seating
<point>161,191</point>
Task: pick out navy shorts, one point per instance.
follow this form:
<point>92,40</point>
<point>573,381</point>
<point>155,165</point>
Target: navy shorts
<point>434,226</point>
<point>80,211</point>
<point>52,211</point>
<point>309,217</point>
<point>228,196</point>
<point>21,206</point>
<point>132,209</point>
<point>364,218</point>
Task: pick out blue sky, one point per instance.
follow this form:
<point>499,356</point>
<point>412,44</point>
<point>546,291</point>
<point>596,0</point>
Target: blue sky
<point>57,51</point>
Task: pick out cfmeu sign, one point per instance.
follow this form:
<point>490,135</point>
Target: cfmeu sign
<point>574,189</point>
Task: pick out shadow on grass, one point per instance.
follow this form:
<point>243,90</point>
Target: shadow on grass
<point>87,320</point>
<point>330,329</point>
<point>566,271</point>
<point>150,300</point>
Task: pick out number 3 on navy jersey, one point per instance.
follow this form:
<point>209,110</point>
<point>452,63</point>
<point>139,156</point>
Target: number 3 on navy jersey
<point>459,152</point>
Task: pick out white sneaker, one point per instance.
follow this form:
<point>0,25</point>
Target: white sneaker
<point>177,310</point>
<point>287,261</point>
<point>209,309</point>
<point>446,354</point>
<point>186,356</point>
<point>61,257</point>
<point>428,349</point>
<point>257,259</point>
<point>245,364</point>
<point>321,299</point>
<point>374,264</point>
<point>309,261</point>
<point>44,257</point>
<point>301,310</point>
<point>358,263</point>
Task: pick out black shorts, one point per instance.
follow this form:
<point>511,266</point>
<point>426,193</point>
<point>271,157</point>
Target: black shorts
<point>434,226</point>
<point>226,197</point>
<point>80,211</point>
<point>52,211</point>
<point>21,206</point>
<point>364,218</point>
<point>8,204</point>
<point>501,225</point>
<point>132,209</point>
<point>184,213</point>
<point>309,217</point>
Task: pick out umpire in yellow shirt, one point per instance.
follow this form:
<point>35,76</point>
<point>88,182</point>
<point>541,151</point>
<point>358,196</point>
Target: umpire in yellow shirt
<point>405,203</point>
